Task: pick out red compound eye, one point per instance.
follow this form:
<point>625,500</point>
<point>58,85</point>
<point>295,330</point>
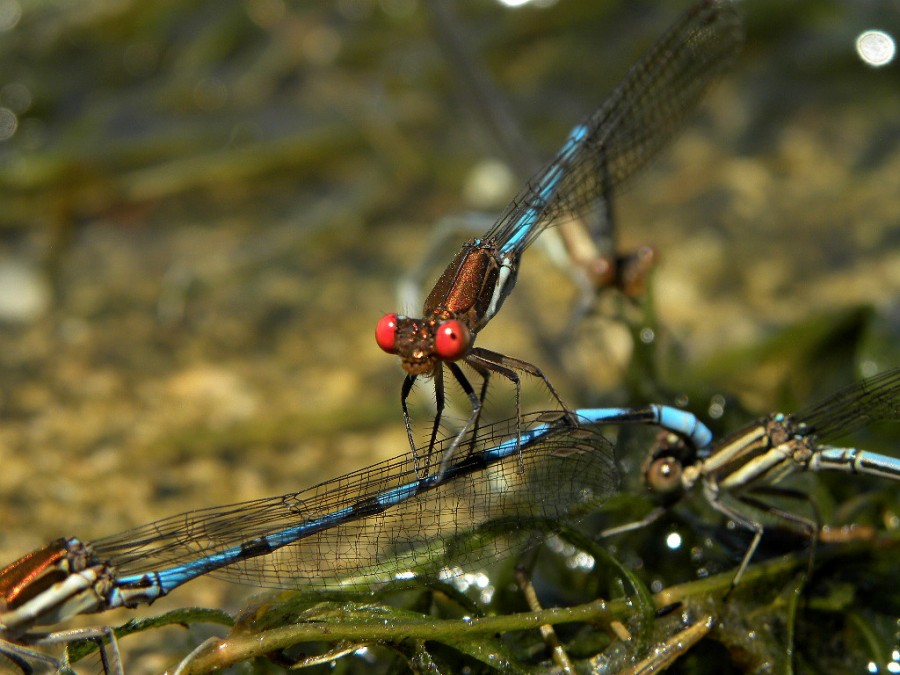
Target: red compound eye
<point>386,332</point>
<point>452,340</point>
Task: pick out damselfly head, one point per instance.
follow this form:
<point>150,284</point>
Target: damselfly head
<point>423,343</point>
<point>663,476</point>
<point>664,467</point>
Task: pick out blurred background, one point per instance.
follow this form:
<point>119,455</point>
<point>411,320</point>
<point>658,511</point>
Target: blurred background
<point>207,206</point>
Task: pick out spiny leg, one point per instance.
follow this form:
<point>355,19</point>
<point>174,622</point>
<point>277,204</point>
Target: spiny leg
<point>810,527</point>
<point>103,636</point>
<point>748,524</point>
<point>473,417</point>
<point>109,652</point>
<point>485,378</point>
<point>20,656</point>
<point>496,362</point>
<point>757,527</point>
<point>23,654</point>
<point>408,383</point>
<point>440,401</point>
<point>477,360</point>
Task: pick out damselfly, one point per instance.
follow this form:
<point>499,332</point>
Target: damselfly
<point>383,523</point>
<point>738,473</point>
<point>600,154</point>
